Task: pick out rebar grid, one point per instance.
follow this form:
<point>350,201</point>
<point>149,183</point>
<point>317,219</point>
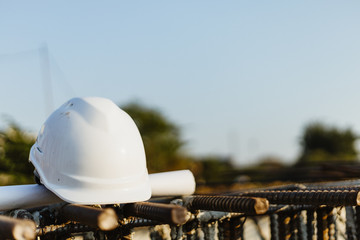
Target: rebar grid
<point>249,205</point>
<point>309,197</point>
<point>295,213</point>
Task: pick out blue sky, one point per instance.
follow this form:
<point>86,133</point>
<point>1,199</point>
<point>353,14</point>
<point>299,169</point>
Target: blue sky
<point>241,78</point>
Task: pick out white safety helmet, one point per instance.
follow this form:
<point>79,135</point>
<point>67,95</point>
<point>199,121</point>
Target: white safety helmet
<point>89,151</point>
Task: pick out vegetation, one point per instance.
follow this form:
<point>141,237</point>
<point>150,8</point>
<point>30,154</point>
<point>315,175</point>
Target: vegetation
<point>215,169</point>
<point>321,143</point>
<point>161,138</point>
<point>164,149</point>
<point>164,146</point>
<point>15,146</point>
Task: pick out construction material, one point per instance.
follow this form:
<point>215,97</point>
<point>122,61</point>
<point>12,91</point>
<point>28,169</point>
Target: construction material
<point>166,213</point>
<point>174,183</point>
<point>310,197</point>
<point>228,204</point>
<point>26,196</point>
<point>178,183</point>
<point>104,219</point>
<point>11,228</point>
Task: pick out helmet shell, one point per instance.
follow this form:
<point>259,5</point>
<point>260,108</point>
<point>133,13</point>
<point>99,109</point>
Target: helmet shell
<point>89,151</point>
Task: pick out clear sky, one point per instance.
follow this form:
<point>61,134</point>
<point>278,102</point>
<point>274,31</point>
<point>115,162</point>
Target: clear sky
<point>240,78</point>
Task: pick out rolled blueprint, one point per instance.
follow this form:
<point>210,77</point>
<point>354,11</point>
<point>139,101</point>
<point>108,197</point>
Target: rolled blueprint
<point>26,196</point>
<point>175,183</point>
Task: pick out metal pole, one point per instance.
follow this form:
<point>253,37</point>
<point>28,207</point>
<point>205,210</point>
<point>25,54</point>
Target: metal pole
<point>105,219</point>
<point>274,227</point>
<point>284,228</point>
<point>228,204</point>
<point>309,197</point>
<point>237,228</point>
<point>11,228</point>
<point>350,223</point>
<point>310,224</point>
<point>168,213</point>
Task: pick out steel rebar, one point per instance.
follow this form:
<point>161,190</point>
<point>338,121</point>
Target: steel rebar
<point>310,197</point>
<point>190,229</point>
<point>250,205</point>
<point>274,227</point>
<point>357,221</point>
<point>310,224</point>
<point>167,213</point>
<point>350,223</point>
<point>331,224</point>
<point>11,228</point>
<point>322,226</point>
<point>52,231</point>
<point>294,225</point>
<point>104,219</point>
<point>284,228</point>
<point>237,228</point>
<point>224,231</point>
<point>301,234</point>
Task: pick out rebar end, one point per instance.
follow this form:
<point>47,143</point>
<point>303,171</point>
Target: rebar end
<point>261,205</point>
<point>108,220</point>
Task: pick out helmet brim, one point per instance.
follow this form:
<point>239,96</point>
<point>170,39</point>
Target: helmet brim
<point>141,191</point>
<point>102,196</point>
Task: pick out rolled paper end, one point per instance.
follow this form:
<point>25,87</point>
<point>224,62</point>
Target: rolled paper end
<point>173,183</point>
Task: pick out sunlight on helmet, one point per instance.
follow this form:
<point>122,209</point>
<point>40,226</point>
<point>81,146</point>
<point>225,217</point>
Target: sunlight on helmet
<point>89,151</point>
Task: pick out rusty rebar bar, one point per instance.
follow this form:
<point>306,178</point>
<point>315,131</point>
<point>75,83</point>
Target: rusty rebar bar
<point>63,230</point>
<point>335,188</point>
<point>274,227</point>
<point>141,222</point>
<point>357,221</point>
<point>166,213</point>
<point>237,228</point>
<point>310,224</point>
<point>284,226</point>
<point>310,197</point>
<point>209,230</point>
<point>126,234</point>
<point>294,230</point>
<point>176,232</point>
<point>331,224</point>
<point>190,229</point>
<point>322,226</point>
<point>350,223</point>
<point>11,228</point>
<point>299,221</point>
<point>104,219</point>
<point>224,230</point>
<point>248,205</point>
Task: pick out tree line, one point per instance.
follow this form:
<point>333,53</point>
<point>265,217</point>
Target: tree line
<point>164,148</point>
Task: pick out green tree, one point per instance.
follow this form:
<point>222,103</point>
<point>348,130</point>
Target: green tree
<point>320,143</point>
<point>216,169</point>
<point>15,146</point>
<point>161,137</point>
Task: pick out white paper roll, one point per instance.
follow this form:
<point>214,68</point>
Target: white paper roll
<point>25,196</point>
<point>174,183</point>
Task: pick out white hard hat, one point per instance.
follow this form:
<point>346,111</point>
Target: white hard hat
<point>89,151</point>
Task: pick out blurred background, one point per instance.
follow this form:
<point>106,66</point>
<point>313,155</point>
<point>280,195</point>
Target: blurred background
<point>236,91</point>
